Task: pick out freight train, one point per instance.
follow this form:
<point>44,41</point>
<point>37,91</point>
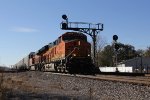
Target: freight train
<point>68,53</point>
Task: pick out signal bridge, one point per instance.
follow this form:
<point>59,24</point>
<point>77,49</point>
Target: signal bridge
<point>84,27</point>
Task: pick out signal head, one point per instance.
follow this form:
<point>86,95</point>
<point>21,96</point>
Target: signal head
<point>117,46</point>
<point>64,17</point>
<point>64,25</point>
<point>115,37</point>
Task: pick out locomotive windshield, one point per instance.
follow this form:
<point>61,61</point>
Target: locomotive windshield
<point>74,36</point>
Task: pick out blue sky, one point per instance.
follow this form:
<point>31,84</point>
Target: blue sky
<point>27,25</point>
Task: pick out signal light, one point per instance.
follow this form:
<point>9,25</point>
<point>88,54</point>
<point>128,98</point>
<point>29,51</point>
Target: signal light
<point>117,46</point>
<point>64,26</point>
<point>64,17</point>
<point>115,37</point>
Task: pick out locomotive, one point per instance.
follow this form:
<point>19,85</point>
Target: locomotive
<point>69,53</point>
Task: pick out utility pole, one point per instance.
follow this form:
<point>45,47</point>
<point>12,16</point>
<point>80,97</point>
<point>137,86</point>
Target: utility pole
<point>84,27</point>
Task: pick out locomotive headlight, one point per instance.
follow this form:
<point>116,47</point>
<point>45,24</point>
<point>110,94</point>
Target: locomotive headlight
<point>79,43</point>
<point>89,55</point>
<point>74,55</point>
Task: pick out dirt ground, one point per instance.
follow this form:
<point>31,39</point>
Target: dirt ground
<point>35,85</point>
<point>26,86</point>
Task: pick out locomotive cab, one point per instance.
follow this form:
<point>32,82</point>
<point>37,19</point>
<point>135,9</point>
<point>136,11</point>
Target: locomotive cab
<point>76,45</point>
<point>77,53</point>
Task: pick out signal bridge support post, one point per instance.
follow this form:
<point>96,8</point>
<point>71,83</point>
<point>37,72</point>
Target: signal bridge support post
<point>94,37</point>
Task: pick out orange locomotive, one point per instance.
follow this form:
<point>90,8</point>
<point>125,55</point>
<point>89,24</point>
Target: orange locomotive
<point>69,53</point>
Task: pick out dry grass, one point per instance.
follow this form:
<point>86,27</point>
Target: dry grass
<point>2,88</point>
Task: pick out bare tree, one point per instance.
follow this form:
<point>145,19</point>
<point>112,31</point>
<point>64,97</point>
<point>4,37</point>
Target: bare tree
<point>101,43</point>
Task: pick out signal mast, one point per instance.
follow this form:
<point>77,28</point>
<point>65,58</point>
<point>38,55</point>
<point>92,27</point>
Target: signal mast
<point>116,47</point>
<point>84,27</point>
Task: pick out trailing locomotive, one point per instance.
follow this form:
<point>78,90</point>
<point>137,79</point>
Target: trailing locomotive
<point>69,53</point>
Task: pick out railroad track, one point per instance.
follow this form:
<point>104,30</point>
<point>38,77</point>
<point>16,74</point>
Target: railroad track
<point>142,80</point>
